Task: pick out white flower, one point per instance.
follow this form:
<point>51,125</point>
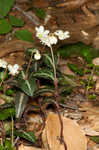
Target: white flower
<point>62,35</point>
<point>40,32</point>
<point>49,40</point>
<point>37,56</point>
<point>52,40</point>
<point>44,36</point>
<point>13,70</point>
<point>45,41</point>
<point>3,63</point>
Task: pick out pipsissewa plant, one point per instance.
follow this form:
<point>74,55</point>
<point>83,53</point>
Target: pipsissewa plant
<point>37,69</point>
<point>49,39</point>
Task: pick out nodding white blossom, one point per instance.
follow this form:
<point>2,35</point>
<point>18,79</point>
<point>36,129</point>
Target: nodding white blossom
<point>3,63</point>
<point>13,70</point>
<point>62,35</point>
<point>37,56</point>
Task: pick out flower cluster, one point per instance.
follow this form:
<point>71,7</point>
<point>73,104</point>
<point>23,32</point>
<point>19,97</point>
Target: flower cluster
<point>13,70</point>
<point>62,35</point>
<point>48,38</point>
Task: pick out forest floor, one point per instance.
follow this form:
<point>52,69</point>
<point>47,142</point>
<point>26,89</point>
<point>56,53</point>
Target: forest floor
<point>79,103</point>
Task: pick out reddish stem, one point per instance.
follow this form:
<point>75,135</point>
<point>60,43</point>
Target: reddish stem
<point>58,111</point>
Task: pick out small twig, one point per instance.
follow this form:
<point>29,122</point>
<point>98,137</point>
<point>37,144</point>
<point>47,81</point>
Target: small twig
<point>33,18</point>
<point>69,107</point>
<point>16,140</point>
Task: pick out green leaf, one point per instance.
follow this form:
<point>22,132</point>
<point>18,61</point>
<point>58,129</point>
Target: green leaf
<point>6,113</point>
<point>75,68</point>
<point>79,49</point>
<point>95,139</point>
<point>44,90</point>
<point>46,74</point>
<point>5,27</point>
<point>7,99</point>
<point>66,91</point>
<point>26,135</point>
<point>92,96</point>
<point>3,75</point>
<point>8,145</point>
<point>27,85</point>
<point>16,21</point>
<point>24,35</point>
<point>1,88</point>
<point>5,6</point>
<point>65,80</point>
<point>40,13</point>
<point>86,54</point>
<point>20,103</point>
<point>10,92</point>
<point>48,60</point>
<point>1,147</point>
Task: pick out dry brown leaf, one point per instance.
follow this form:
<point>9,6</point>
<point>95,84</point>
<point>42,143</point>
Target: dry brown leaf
<point>96,61</point>
<point>2,101</point>
<point>22,147</point>
<point>8,49</point>
<point>95,77</point>
<point>92,145</point>
<point>97,87</point>
<point>89,131</point>
<point>73,136</point>
<point>64,68</point>
<point>34,123</point>
<point>91,119</point>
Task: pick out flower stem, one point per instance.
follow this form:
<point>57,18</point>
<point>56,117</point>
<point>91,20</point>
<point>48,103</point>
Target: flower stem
<point>57,100</point>
<point>12,134</point>
<point>28,66</point>
<point>53,60</point>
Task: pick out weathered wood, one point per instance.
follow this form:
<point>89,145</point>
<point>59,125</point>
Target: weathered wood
<point>81,18</point>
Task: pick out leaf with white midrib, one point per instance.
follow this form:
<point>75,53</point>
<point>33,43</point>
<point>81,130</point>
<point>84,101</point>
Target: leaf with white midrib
<point>44,74</point>
<point>50,60</point>
<point>20,103</point>
<point>29,136</point>
<point>27,85</point>
<point>26,81</point>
